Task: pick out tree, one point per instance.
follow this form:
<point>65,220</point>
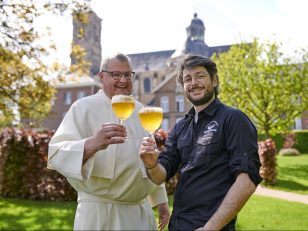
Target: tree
<point>24,90</point>
<point>270,87</point>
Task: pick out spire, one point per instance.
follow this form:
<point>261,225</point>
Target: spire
<point>195,39</point>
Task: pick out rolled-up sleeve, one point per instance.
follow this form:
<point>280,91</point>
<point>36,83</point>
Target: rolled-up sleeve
<point>242,146</point>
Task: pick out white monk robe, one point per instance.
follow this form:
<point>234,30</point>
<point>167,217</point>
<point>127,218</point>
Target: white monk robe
<point>114,191</point>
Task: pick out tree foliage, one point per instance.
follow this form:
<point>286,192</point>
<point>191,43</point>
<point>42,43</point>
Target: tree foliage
<point>24,89</point>
<point>270,87</point>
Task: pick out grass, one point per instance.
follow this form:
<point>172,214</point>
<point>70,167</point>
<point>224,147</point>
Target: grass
<point>260,213</point>
<point>292,174</point>
<point>18,214</point>
<point>267,213</point>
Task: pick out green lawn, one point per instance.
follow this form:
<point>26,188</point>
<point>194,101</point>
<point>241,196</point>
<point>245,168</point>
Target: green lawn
<point>17,214</point>
<point>260,213</point>
<point>292,174</point>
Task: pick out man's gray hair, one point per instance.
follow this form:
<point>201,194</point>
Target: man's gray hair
<point>118,56</point>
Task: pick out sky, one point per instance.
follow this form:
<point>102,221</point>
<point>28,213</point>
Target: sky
<point>138,26</point>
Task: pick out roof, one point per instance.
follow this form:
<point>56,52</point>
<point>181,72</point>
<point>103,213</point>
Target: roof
<point>150,61</point>
<point>72,81</point>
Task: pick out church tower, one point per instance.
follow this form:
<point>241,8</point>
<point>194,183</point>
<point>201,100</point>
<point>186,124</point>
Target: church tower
<point>195,38</point>
<point>90,41</point>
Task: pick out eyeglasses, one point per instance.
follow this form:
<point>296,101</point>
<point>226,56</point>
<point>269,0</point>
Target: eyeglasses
<point>116,75</point>
<point>198,77</point>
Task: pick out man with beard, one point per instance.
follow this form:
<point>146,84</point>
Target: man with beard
<point>214,149</point>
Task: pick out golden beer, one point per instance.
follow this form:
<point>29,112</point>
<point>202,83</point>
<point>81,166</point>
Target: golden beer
<point>123,106</point>
<point>151,118</point>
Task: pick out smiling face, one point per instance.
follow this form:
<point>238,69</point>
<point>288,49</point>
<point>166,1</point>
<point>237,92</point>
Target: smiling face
<point>113,87</point>
<point>199,86</point>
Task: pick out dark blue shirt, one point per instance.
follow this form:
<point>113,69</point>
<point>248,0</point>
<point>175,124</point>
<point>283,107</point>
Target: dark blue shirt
<point>208,155</point>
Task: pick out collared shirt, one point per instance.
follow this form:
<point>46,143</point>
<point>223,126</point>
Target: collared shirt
<point>208,154</point>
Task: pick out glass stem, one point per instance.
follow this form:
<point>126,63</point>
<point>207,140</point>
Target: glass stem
<point>153,137</point>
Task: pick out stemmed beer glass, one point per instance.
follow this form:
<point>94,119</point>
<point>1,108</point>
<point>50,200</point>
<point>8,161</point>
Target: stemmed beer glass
<point>150,119</point>
<point>123,106</point>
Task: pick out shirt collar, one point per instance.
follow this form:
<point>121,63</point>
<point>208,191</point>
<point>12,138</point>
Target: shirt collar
<point>209,110</point>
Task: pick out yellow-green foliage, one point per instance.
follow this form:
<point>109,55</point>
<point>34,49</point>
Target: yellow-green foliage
<point>271,88</point>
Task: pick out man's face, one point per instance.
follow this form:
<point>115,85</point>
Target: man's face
<point>198,86</point>
<point>113,87</point>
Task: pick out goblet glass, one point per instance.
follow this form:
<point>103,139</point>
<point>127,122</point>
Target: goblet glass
<point>123,106</point>
<point>150,119</point>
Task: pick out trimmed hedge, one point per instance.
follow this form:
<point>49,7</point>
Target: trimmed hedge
<point>301,143</point>
<point>23,167</point>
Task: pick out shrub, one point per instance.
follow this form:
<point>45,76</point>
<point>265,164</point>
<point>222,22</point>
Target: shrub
<point>23,167</point>
<point>288,152</point>
<point>302,141</point>
<point>267,153</point>
<point>300,144</point>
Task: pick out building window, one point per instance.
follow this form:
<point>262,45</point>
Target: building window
<point>67,98</point>
<point>165,124</point>
<point>80,94</point>
<point>179,99</point>
<point>298,124</point>
<point>164,103</point>
<point>147,85</point>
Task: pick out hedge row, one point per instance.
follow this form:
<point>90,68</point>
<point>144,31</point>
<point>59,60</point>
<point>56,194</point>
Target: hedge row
<point>301,141</point>
<point>23,171</point>
<point>23,161</point>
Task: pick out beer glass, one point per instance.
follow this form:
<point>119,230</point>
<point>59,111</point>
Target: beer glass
<point>150,119</point>
<point>123,106</point>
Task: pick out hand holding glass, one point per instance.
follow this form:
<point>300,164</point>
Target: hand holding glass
<point>150,119</point>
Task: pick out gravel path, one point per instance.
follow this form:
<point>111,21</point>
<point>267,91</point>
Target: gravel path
<point>282,194</point>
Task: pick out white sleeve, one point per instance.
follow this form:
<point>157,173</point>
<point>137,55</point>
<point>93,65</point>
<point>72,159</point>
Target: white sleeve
<point>66,148</point>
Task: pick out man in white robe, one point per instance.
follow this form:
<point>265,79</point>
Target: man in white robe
<point>100,159</point>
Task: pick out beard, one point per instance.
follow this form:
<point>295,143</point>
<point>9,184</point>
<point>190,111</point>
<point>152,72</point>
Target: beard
<point>207,97</point>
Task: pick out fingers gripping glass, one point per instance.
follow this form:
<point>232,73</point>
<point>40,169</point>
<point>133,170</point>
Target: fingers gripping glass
<point>116,75</point>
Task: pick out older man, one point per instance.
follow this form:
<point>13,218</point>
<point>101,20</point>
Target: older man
<point>100,159</point>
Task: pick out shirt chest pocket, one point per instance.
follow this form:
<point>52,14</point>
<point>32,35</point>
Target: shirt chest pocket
<point>185,148</point>
<point>206,148</point>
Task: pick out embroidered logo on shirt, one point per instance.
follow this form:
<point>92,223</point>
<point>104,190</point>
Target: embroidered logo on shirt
<point>208,133</point>
<point>212,126</point>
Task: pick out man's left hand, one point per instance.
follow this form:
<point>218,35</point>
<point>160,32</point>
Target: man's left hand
<point>164,214</point>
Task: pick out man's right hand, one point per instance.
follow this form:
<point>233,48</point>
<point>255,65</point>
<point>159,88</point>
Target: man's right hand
<point>108,133</point>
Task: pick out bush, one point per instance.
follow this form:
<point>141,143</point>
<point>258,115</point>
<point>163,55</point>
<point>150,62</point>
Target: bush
<point>267,153</point>
<point>23,167</point>
<point>300,142</point>
<point>288,152</point>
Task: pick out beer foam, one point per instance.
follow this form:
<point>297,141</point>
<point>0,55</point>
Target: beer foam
<point>122,98</point>
<point>151,109</point>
